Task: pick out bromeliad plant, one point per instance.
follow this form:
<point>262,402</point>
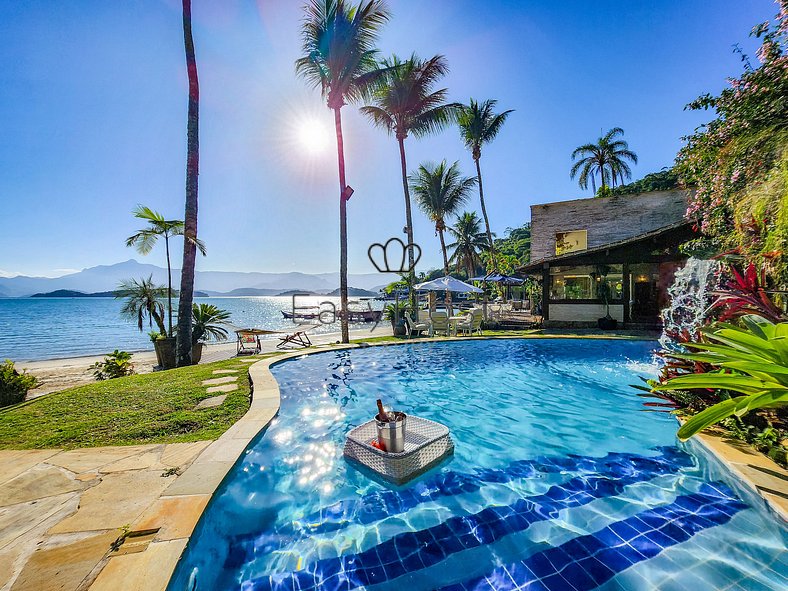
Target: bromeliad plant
<point>751,360</point>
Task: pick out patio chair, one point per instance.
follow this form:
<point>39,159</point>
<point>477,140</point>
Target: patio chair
<point>412,327</point>
<point>472,323</point>
<point>248,343</point>
<point>440,322</point>
<point>296,339</point>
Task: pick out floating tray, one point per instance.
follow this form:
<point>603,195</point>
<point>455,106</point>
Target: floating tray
<point>426,444</point>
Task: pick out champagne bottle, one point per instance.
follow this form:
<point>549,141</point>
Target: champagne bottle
<point>382,414</point>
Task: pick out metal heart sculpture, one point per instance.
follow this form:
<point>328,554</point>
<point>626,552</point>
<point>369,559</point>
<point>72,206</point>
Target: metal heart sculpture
<point>401,254</point>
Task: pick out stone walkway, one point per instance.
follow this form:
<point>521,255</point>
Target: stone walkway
<point>61,511</point>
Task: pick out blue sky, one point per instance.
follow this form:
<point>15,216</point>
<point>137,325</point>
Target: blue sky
<point>93,118</point>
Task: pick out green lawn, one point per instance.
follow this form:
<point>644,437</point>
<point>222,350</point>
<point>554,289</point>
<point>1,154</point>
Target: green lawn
<point>148,408</point>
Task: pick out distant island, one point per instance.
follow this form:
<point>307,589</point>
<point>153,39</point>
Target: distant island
<point>70,293</point>
<point>292,292</point>
<point>355,292</point>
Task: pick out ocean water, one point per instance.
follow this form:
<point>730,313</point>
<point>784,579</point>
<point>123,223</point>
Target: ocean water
<point>51,328</point>
<point>561,481</point>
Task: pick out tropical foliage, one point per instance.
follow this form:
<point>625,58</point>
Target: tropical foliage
<point>743,293</point>
<point>406,103</point>
<point>115,365</point>
<point>738,162</point>
<point>479,125</point>
<point>340,58</point>
<point>208,322</point>
<point>143,301</point>
<point>441,191</point>
<point>14,385</point>
<point>146,239</point>
<point>516,244</point>
<point>751,360</point>
<point>607,158</point>
<point>666,179</point>
<point>469,242</point>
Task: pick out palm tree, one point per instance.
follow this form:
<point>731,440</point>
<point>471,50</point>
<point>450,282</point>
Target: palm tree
<point>143,300</point>
<point>606,158</point>
<point>340,59</point>
<point>478,126</point>
<point>470,239</point>
<point>440,191</point>
<point>209,322</point>
<point>406,104</point>
<point>184,353</point>
<point>146,239</point>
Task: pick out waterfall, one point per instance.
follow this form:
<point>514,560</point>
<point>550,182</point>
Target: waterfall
<point>690,298</point>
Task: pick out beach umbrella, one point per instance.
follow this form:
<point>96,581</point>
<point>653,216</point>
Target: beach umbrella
<point>498,278</point>
<point>447,283</point>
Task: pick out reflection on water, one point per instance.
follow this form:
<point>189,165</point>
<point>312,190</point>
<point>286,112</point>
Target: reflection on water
<point>93,326</point>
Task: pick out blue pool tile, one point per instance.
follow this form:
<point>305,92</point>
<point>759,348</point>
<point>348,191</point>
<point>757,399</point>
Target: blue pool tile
<point>660,539</point>
<point>566,568</point>
<point>540,565</point>
<point>598,570</point>
<point>555,582</point>
<point>578,577</point>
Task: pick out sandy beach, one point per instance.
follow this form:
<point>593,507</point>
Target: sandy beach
<point>59,374</point>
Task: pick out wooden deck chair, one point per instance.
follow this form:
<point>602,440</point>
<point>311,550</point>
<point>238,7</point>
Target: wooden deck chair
<point>248,343</point>
<point>297,339</point>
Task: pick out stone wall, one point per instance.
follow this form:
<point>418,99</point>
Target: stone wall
<point>606,220</point>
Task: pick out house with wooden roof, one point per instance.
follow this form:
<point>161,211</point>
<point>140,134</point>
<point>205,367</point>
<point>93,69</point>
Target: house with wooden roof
<point>615,253</point>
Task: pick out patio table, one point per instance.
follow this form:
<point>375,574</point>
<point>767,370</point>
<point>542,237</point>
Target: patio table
<point>453,320</point>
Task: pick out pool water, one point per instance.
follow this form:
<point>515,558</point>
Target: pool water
<point>561,479</point>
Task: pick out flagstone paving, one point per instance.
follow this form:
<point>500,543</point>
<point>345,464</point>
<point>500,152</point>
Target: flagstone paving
<point>221,371</point>
<point>217,381</point>
<point>60,511</point>
<point>214,401</point>
<point>222,388</point>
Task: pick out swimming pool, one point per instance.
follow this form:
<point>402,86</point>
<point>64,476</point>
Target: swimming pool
<point>560,480</point>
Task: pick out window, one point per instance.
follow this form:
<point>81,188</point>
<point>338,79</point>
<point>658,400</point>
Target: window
<point>571,241</point>
<point>586,282</point>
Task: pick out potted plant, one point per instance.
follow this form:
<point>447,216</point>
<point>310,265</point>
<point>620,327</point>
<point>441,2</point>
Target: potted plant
<point>395,313</point>
<point>144,301</point>
<point>208,322</point>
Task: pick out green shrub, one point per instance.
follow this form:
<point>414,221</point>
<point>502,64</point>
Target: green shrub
<point>14,385</point>
<point>115,365</point>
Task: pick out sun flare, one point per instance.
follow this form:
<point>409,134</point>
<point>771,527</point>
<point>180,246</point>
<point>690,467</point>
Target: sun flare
<point>313,135</point>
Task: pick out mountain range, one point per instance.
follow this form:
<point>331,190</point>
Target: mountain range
<point>106,278</point>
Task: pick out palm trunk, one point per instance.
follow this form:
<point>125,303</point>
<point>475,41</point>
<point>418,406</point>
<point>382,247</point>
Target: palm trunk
<point>169,283</point>
<point>342,228</point>
<point>184,354</point>
<point>408,222</point>
<point>484,215</point>
<point>445,266</point>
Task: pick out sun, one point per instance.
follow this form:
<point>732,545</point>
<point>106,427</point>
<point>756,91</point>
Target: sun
<point>313,135</point>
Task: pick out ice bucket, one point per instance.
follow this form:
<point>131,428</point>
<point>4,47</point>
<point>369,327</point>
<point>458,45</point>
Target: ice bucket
<point>391,434</point>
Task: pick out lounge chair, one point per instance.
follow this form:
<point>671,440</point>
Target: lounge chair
<point>417,327</point>
<point>296,339</point>
<point>440,323</point>
<point>248,342</point>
